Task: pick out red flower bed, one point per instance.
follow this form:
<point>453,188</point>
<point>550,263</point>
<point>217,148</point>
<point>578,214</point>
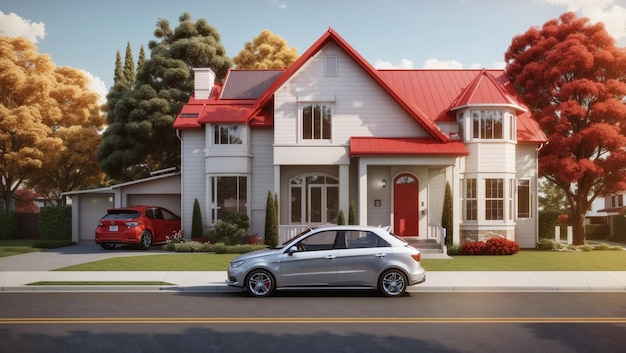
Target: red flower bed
<point>493,246</point>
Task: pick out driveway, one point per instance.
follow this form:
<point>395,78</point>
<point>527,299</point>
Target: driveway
<point>52,259</point>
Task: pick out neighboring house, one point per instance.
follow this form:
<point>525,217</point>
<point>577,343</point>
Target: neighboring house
<point>612,207</point>
<point>332,129</point>
<point>88,206</point>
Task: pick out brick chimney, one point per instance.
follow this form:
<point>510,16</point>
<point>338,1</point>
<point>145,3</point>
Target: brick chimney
<point>204,79</point>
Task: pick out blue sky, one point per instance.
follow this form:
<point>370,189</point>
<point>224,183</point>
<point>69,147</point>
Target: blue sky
<point>393,33</point>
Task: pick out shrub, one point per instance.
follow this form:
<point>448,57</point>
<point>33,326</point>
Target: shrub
<point>252,239</point>
<point>501,246</point>
<point>446,214</point>
<point>196,220</point>
<point>341,219</point>
<point>227,233</point>
<point>188,246</point>
<point>597,231</point>
<point>586,248</point>
<point>55,223</point>
<point>545,244</point>
<point>453,250</point>
<point>351,213</point>
<point>239,219</point>
<point>52,244</point>
<point>493,246</point>
<point>473,248</point>
<point>602,246</point>
<point>271,220</point>
<point>10,225</point>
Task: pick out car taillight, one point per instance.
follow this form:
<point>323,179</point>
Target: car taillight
<point>131,224</point>
<point>417,257</point>
<point>100,224</point>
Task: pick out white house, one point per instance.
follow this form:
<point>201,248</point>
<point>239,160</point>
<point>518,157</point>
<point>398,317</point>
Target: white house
<point>331,130</point>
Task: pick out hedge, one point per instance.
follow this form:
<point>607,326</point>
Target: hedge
<point>55,223</point>
<point>10,225</point>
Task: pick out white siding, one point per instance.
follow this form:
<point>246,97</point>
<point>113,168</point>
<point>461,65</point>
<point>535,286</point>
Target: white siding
<point>526,228</point>
<point>361,107</point>
<point>490,157</point>
<point>193,180</point>
<point>262,178</point>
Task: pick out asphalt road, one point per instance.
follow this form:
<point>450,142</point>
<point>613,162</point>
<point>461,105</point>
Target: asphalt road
<point>312,322</point>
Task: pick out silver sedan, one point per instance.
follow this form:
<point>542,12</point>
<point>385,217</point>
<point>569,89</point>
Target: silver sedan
<point>331,257</point>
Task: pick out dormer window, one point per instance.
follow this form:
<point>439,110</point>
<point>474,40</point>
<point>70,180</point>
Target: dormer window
<point>487,124</point>
<point>227,135</point>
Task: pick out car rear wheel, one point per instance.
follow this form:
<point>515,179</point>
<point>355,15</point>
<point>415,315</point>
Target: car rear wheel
<point>107,246</point>
<point>392,283</point>
<point>260,283</point>
<point>146,240</point>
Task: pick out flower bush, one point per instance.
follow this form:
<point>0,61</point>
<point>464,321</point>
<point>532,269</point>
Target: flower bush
<point>493,246</point>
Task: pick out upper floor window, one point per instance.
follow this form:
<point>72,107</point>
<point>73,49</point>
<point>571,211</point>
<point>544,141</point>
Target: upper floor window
<point>330,66</point>
<point>487,124</point>
<point>228,135</point>
<point>316,121</point>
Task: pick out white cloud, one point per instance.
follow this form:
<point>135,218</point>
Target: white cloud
<point>404,64</point>
<point>13,25</point>
<point>439,64</point>
<point>98,86</point>
<point>610,12</point>
<point>280,4</point>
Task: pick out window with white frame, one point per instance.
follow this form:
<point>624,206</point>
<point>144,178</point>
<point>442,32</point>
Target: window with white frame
<point>523,198</point>
<point>494,199</point>
<point>229,194</point>
<point>470,200</point>
<point>330,66</point>
<point>487,124</point>
<point>227,134</point>
<point>316,121</point>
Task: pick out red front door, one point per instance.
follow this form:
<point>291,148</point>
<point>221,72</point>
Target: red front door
<point>405,205</point>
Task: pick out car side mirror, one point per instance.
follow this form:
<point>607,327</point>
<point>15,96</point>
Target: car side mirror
<point>292,250</point>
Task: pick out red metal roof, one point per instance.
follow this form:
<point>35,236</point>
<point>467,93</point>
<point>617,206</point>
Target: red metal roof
<point>428,96</point>
<point>332,36</point>
<point>438,92</point>
<point>368,146</point>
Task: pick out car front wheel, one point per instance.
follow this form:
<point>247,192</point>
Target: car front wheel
<point>146,240</point>
<point>260,283</point>
<point>392,283</point>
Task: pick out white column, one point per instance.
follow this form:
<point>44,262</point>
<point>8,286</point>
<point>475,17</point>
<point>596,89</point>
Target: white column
<point>344,189</point>
<point>362,193</point>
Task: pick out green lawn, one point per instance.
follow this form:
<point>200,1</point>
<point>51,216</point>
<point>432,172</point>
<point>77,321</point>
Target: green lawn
<point>526,260</point>
<point>16,247</point>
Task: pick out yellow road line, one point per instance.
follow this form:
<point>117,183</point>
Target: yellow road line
<point>317,320</point>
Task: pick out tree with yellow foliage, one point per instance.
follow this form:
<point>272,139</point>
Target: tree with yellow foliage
<point>44,110</point>
<point>267,51</point>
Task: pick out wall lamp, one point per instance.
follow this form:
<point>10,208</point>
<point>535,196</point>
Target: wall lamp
<point>384,183</point>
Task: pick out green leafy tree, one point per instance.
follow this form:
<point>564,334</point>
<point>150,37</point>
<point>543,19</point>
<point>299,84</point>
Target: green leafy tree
<point>196,220</point>
<point>129,66</point>
<point>139,138</point>
<point>572,76</point>
<point>267,51</point>
<point>271,221</point>
<point>551,197</point>
<point>446,214</point>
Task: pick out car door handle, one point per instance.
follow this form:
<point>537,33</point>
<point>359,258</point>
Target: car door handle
<point>380,255</point>
<point>330,257</point>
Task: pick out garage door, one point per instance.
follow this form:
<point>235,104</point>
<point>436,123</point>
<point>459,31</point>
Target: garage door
<point>92,208</point>
<point>169,201</point>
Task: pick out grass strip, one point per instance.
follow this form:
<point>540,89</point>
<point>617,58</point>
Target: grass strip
<point>100,283</point>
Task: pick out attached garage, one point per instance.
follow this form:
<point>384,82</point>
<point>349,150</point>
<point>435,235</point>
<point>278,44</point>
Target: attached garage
<point>88,206</point>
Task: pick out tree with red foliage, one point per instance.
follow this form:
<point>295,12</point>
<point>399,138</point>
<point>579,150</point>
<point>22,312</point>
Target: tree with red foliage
<point>572,76</point>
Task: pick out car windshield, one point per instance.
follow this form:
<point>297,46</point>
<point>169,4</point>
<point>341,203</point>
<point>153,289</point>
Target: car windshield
<point>292,238</point>
<point>121,214</point>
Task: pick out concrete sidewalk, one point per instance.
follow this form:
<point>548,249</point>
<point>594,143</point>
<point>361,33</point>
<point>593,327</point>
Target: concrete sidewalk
<point>213,281</point>
<point>19,271</point>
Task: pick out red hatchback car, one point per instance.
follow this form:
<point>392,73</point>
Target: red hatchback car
<point>139,225</point>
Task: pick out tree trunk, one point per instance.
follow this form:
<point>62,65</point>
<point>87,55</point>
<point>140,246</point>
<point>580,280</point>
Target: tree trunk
<point>578,223</point>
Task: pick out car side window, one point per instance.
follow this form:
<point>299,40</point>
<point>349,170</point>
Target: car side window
<point>362,239</point>
<point>150,214</point>
<point>169,215</point>
<point>320,241</point>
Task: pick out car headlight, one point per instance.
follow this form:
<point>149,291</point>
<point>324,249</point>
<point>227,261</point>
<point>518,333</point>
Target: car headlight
<point>236,264</point>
